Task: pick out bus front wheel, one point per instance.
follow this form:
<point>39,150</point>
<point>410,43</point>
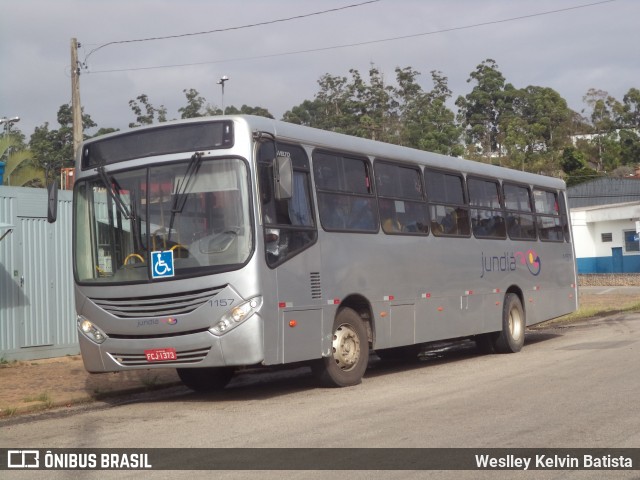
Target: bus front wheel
<point>205,379</point>
<point>349,355</point>
<point>511,338</point>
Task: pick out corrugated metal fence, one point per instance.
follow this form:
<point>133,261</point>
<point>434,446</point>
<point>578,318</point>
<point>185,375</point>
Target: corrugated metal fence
<point>37,311</point>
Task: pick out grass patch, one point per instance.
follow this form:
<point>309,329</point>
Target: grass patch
<point>43,397</point>
<point>4,363</point>
<point>595,309</point>
<point>8,412</point>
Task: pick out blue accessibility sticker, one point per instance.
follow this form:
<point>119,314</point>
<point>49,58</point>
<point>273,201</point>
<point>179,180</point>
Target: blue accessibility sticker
<point>162,264</point>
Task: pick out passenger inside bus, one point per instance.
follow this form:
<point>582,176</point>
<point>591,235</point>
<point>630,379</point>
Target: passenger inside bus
<point>389,217</point>
<point>336,211</point>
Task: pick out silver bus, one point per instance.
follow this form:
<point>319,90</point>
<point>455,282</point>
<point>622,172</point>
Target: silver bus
<point>216,243</point>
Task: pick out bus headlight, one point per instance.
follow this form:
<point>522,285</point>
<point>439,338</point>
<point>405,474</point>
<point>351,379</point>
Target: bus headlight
<point>90,331</point>
<point>236,316</point>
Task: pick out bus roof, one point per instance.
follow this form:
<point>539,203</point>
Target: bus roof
<point>362,146</point>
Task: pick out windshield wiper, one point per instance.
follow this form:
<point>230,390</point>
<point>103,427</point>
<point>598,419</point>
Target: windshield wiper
<point>109,183</point>
<point>182,189</point>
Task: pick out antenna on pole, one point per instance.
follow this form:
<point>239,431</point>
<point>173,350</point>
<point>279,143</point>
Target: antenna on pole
<point>221,82</point>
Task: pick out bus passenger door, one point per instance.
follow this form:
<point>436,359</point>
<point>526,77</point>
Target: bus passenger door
<point>292,254</point>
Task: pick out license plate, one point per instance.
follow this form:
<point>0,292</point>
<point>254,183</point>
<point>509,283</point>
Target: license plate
<point>161,354</point>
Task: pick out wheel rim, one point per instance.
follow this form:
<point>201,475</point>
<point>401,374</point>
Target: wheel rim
<point>346,347</point>
<point>515,324</point>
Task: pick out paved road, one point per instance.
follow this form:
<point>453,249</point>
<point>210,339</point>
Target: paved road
<point>571,386</point>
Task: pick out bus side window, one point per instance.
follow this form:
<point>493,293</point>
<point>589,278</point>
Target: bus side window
<point>487,218</point>
<point>401,199</point>
<point>345,194</point>
<point>564,219</point>
<point>447,206</point>
<point>520,220</point>
<point>548,217</point>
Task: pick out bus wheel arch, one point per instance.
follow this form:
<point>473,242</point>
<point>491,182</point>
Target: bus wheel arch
<point>349,356</point>
<point>362,307</point>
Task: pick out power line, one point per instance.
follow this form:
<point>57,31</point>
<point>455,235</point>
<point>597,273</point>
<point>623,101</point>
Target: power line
<point>269,22</point>
<point>358,44</point>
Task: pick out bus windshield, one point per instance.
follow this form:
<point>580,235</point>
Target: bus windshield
<point>199,209</point>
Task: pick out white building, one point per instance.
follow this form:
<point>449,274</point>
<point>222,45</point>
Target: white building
<point>604,213</point>
<point>605,238</point>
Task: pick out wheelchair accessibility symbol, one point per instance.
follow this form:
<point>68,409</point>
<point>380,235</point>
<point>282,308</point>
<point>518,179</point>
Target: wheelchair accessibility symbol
<point>162,264</point>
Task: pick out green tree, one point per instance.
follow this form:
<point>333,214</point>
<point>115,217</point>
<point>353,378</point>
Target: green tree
<point>334,100</point>
<point>604,110</point>
<point>196,106</point>
<point>20,169</point>
<point>480,112</point>
<point>371,108</point>
<point>428,124</point>
<point>105,131</point>
<point>53,149</point>
<point>581,175</point>
<point>629,147</point>
<point>572,160</point>
<point>247,110</point>
<point>353,106</point>
<point>535,128</point>
<point>605,115</point>
<point>574,164</point>
<point>631,108</point>
<point>145,112</point>
<point>308,113</point>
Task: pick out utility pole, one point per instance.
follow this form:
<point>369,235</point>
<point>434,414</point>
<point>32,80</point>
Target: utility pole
<point>76,108</point>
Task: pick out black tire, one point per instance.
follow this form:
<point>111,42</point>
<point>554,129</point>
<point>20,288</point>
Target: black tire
<point>511,338</point>
<point>350,352</point>
<point>205,379</point>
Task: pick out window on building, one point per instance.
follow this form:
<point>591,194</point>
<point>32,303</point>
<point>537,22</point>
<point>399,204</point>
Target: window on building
<point>630,242</point>
<point>606,237</point>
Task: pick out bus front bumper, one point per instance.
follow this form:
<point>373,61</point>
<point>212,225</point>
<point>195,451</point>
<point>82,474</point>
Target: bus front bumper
<point>241,346</point>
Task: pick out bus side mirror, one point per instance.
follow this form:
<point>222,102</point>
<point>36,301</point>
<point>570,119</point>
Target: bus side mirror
<point>52,202</point>
<point>283,177</point>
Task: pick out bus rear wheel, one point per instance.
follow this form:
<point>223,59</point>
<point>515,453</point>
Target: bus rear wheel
<point>511,338</point>
<point>205,379</point>
<point>349,356</point>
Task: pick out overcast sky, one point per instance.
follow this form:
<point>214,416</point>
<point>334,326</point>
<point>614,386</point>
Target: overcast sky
<point>570,51</point>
